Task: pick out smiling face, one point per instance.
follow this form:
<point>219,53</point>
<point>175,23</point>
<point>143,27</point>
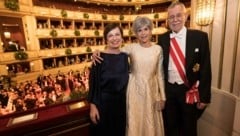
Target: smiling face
<point>144,34</point>
<point>142,28</point>
<point>114,38</point>
<point>176,17</point>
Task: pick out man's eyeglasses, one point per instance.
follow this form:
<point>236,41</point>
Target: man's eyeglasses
<point>177,16</point>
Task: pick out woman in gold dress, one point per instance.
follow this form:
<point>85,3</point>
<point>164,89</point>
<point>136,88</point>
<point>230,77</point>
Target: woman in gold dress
<point>145,93</point>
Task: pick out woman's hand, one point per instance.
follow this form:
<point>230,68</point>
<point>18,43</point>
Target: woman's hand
<point>159,105</point>
<point>96,57</point>
<point>94,114</point>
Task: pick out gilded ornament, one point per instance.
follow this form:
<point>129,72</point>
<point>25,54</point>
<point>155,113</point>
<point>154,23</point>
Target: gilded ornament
<point>196,67</point>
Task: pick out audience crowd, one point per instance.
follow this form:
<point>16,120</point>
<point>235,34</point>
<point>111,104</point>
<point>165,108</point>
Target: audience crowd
<point>45,90</point>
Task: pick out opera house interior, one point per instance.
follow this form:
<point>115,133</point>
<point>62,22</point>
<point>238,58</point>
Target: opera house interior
<point>44,42</point>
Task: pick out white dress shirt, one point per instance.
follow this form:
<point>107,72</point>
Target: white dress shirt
<point>173,75</point>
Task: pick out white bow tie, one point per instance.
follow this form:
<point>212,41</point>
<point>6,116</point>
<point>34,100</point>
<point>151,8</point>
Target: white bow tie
<point>174,35</point>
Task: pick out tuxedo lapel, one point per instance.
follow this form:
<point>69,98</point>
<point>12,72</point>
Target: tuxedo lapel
<point>167,50</point>
<point>190,50</point>
<point>164,42</point>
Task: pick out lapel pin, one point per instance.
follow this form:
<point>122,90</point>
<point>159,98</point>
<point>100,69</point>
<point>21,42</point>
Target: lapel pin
<point>196,50</point>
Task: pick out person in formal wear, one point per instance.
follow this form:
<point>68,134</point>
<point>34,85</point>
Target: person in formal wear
<point>107,87</point>
<point>145,93</point>
<point>187,71</point>
<point>13,45</point>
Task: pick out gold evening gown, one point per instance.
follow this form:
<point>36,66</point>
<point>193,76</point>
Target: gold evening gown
<point>145,87</point>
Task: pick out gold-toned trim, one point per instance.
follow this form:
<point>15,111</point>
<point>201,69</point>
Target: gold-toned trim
<point>219,84</point>
<point>77,105</point>
<point>125,2</point>
<point>21,119</point>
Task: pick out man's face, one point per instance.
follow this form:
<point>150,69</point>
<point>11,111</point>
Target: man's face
<point>176,18</point>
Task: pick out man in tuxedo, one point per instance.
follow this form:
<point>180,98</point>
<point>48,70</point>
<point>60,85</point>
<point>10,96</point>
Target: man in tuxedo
<point>187,70</point>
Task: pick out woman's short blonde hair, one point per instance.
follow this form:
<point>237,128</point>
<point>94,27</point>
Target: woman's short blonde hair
<point>140,22</point>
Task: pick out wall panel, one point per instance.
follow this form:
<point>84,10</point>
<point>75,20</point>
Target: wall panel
<point>236,79</point>
<point>228,56</point>
<point>217,42</point>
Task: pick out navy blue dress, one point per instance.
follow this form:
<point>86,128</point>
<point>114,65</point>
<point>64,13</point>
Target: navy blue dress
<point>107,90</point>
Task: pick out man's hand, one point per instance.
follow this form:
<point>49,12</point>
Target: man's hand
<point>96,57</point>
<point>201,105</point>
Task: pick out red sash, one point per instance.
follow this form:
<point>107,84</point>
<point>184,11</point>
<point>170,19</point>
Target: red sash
<point>179,54</point>
<point>192,96</point>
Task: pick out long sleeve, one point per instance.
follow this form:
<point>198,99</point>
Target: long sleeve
<point>94,86</point>
<point>160,76</point>
<point>205,72</point>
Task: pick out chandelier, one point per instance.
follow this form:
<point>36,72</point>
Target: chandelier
<point>205,12</point>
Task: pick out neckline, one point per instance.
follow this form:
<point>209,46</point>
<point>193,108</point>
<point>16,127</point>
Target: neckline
<point>146,46</point>
<point>112,53</point>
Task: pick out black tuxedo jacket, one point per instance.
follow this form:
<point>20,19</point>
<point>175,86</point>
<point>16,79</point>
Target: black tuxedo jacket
<point>197,52</point>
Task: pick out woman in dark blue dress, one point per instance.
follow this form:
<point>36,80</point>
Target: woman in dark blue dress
<point>107,87</point>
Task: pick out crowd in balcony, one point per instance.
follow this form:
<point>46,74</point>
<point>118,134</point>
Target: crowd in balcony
<point>46,90</point>
<point>100,8</point>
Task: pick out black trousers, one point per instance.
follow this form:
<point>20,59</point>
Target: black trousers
<point>180,119</point>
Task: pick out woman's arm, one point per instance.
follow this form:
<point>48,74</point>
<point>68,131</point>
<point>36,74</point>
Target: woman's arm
<point>160,76</point>
<point>94,114</point>
<point>94,94</point>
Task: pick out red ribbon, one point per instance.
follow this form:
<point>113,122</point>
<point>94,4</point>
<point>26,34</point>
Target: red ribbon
<point>192,96</point>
